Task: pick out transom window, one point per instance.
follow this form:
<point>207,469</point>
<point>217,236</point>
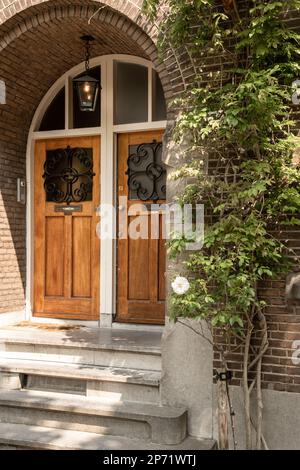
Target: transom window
<point>134,89</point>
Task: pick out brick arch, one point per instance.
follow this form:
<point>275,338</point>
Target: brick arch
<point>146,47</point>
<point>40,45</point>
<point>128,8</point>
<point>16,16</point>
<point>109,27</point>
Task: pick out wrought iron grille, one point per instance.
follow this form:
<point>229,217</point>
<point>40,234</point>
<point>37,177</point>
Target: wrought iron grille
<point>68,175</point>
<point>146,172</point>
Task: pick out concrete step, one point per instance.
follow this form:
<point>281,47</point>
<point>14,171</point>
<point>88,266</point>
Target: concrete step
<point>123,384</point>
<point>148,422</point>
<point>14,436</point>
<point>113,348</point>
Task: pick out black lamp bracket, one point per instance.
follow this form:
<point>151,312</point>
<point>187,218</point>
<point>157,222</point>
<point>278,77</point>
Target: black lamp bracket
<point>87,39</point>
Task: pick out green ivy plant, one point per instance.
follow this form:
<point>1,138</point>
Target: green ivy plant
<point>241,120</point>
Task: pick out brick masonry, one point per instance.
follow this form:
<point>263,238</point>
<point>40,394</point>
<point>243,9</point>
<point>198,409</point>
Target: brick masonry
<point>39,41</point>
<point>280,371</point>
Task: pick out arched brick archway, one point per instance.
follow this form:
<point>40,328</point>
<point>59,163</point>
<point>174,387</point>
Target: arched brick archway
<point>62,23</point>
<point>18,16</point>
<point>39,42</point>
<point>128,8</point>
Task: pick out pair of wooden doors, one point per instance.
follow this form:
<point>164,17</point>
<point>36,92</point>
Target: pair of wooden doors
<point>66,244</point>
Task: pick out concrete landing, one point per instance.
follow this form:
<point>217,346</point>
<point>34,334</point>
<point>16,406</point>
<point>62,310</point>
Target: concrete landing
<point>36,437</point>
<point>92,338</point>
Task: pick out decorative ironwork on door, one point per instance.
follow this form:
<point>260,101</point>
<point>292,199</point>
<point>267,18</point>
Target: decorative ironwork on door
<point>146,172</point>
<point>68,175</point>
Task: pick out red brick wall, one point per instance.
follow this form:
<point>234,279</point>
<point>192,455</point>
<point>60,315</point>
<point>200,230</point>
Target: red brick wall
<point>12,227</point>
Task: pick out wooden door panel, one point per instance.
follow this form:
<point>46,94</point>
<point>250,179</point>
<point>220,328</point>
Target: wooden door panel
<point>162,263</point>
<point>146,312</point>
<point>67,249</point>
<point>138,272</point>
<point>141,262</point>
<point>54,266</point>
<point>57,308</point>
<point>82,235</point>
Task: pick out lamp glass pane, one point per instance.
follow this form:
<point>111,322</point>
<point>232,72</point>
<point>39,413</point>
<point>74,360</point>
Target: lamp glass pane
<point>86,92</point>
<point>83,119</point>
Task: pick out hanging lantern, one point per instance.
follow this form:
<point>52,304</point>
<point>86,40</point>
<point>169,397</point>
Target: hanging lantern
<point>87,87</point>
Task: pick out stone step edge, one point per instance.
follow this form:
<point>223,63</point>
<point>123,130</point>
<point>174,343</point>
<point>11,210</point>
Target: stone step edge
<point>50,401</point>
<point>79,371</point>
<point>42,438</point>
<point>147,350</point>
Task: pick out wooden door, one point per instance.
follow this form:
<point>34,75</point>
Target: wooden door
<point>141,262</point>
<point>66,246</point>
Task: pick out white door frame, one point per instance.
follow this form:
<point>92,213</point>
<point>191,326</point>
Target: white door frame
<point>108,132</point>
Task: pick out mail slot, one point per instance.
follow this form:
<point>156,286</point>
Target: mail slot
<point>68,209</point>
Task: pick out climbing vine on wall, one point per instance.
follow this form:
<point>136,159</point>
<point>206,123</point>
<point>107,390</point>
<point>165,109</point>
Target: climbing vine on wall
<point>239,122</point>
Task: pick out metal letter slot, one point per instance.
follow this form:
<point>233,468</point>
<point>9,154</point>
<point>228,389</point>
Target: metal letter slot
<point>68,210</point>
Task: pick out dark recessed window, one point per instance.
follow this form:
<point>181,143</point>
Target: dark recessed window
<point>87,118</point>
<point>159,108</point>
<point>54,117</point>
<point>130,93</point>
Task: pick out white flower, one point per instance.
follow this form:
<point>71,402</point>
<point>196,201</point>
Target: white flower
<point>180,285</point>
